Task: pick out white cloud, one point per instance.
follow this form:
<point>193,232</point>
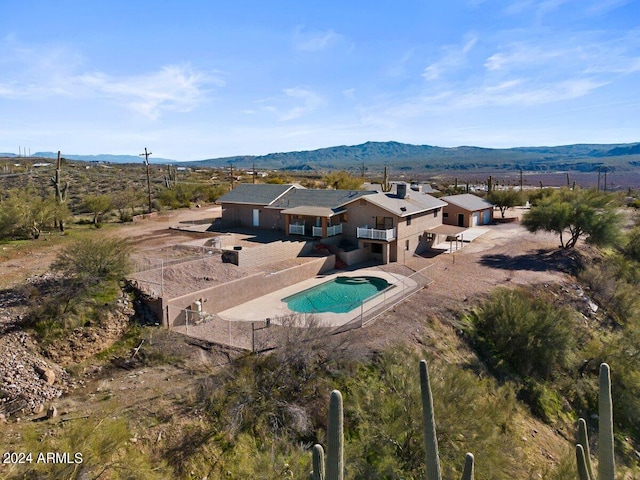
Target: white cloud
<point>176,88</point>
<point>315,41</point>
<point>453,58</point>
<point>522,93</point>
<point>521,54</point>
<point>292,104</point>
<point>600,7</point>
<point>310,101</point>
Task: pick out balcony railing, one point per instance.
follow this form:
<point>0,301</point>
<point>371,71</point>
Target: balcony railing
<point>375,234</point>
<point>331,230</point>
<point>334,230</point>
<point>296,229</point>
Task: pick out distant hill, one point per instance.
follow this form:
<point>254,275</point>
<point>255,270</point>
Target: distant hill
<point>414,158</point>
<point>400,156</point>
<point>105,158</point>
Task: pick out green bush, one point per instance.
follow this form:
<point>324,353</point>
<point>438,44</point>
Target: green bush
<point>521,335</point>
<point>95,449</point>
<point>92,260</point>
<point>383,421</point>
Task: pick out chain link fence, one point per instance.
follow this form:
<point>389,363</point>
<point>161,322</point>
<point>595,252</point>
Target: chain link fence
<point>257,336</point>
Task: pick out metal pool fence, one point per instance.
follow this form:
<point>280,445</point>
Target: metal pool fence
<point>269,333</point>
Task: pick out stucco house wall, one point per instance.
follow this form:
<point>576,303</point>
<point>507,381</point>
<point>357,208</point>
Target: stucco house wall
<point>361,213</point>
<point>241,215</point>
<point>453,211</point>
<point>450,215</point>
<point>411,238</point>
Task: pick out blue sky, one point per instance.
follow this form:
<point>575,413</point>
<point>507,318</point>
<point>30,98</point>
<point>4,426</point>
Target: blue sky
<point>202,79</point>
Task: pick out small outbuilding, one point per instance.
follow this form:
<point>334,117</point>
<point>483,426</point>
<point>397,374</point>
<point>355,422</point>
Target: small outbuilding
<point>466,210</point>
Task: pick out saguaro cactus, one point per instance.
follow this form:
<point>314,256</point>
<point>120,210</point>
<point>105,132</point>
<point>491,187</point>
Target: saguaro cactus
<point>170,180</point>
<point>334,464</point>
<point>56,183</point>
<point>432,459</point>
<point>606,454</point>
<point>318,463</point>
<point>335,438</point>
<point>467,474</point>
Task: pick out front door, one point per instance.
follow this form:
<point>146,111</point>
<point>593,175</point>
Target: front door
<point>256,217</point>
<point>461,219</point>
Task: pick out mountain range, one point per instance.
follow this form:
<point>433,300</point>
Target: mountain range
<point>417,158</point>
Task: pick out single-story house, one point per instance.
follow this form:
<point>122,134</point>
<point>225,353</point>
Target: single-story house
<point>379,225</point>
<point>467,210</point>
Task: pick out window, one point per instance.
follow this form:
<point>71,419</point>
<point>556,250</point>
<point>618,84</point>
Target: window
<point>408,220</point>
<point>406,245</point>
<point>445,215</point>
<point>384,223</point>
<point>376,248</point>
<point>435,213</point>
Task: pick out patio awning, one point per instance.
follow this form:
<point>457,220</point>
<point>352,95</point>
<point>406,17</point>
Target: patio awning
<point>311,211</point>
<point>449,230</point>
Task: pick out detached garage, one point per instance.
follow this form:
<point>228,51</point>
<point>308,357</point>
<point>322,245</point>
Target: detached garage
<point>466,210</point>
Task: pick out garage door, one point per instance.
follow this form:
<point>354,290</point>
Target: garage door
<point>486,217</point>
<point>475,219</point>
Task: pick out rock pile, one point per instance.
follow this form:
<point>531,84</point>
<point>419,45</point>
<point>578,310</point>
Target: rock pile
<point>32,378</point>
<point>27,381</point>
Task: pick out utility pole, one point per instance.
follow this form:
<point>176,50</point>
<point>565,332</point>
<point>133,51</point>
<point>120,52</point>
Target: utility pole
<point>605,179</point>
<point>146,161</point>
<point>598,179</point>
<point>520,179</point>
<point>254,172</point>
<point>231,176</point>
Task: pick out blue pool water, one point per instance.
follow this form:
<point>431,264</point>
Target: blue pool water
<point>340,295</point>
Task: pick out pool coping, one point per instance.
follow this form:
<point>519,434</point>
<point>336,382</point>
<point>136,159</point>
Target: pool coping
<point>271,305</point>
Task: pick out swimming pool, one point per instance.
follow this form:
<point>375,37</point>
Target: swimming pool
<point>340,295</point>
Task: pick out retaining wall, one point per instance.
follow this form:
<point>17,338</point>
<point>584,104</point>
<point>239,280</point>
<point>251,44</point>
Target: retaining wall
<point>231,294</point>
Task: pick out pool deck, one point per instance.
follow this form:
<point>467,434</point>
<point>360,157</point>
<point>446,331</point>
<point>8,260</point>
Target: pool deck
<point>271,305</point>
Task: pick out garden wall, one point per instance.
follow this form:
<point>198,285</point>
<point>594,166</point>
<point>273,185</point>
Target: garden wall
<point>231,294</point>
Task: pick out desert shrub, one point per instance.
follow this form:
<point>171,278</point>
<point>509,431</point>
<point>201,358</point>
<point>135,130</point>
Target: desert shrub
<point>609,286</point>
<point>383,421</point>
<point>622,352</point>
<point>25,214</point>
<point>103,446</point>
<point>85,292</point>
<point>535,196</point>
<point>94,259</point>
<point>521,335</point>
<point>632,248</point>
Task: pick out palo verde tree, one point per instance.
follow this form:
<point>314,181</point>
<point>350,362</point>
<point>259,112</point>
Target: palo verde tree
<point>576,213</point>
<point>342,180</point>
<point>98,205</point>
<point>93,260</point>
<point>24,214</point>
<point>505,199</point>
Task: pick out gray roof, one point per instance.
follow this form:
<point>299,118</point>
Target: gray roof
<point>413,203</point>
<point>426,187</point>
<point>468,201</point>
<point>311,211</point>
<point>309,197</point>
<point>256,194</point>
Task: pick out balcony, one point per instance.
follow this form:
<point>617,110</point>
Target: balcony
<point>375,234</point>
<point>296,229</point>
<point>331,230</point>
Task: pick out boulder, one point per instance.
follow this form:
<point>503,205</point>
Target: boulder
<point>46,374</point>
